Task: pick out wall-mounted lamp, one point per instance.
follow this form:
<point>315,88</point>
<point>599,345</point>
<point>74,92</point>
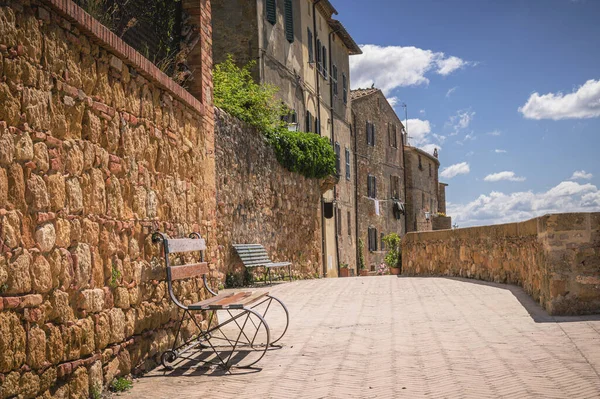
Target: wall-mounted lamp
<point>427,216</point>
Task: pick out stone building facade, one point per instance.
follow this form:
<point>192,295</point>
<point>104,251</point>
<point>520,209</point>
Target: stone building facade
<point>98,148</point>
<point>299,47</point>
<point>425,195</point>
<point>380,193</point>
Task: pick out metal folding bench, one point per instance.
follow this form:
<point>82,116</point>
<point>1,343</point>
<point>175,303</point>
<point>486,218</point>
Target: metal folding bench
<point>237,333</point>
<point>255,255</point>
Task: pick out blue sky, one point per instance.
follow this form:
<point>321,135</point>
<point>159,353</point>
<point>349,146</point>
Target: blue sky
<point>508,90</point>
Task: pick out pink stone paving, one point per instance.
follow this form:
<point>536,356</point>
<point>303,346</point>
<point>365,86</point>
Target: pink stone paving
<point>389,337</point>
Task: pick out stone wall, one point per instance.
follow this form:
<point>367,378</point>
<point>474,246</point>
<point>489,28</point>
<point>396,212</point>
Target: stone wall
<point>98,148</point>
<point>555,258</point>
<point>421,188</point>
<point>261,202</point>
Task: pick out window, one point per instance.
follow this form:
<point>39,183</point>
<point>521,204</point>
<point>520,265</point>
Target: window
<point>423,200</point>
<point>395,187</point>
<point>289,21</point>
<point>372,239</point>
<point>420,164</point>
<point>371,186</point>
<point>319,59</point>
<point>370,134</point>
<point>271,11</point>
<point>349,224</point>
<point>309,121</point>
<point>429,170</point>
<point>339,222</point>
<point>324,60</point>
<point>345,88</point>
<point>382,242</point>
<point>337,158</point>
<point>392,140</point>
<point>334,79</point>
<point>317,126</point>
<point>311,52</point>
<point>347,164</point>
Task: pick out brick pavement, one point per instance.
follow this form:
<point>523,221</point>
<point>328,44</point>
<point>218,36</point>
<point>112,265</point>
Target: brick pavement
<point>389,337</point>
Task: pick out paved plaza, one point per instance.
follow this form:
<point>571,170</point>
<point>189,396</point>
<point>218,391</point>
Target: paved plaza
<point>390,337</point>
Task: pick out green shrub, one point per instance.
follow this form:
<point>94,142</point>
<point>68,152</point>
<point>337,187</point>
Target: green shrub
<point>239,95</point>
<point>304,153</point>
<point>236,93</point>
<point>361,257</point>
<point>393,257</point>
<point>121,385</point>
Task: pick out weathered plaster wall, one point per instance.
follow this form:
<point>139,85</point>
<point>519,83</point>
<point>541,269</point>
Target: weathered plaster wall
<point>98,149</point>
<point>261,202</point>
<point>555,258</point>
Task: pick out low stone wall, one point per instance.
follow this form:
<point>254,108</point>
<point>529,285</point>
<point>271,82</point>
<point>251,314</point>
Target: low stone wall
<point>441,223</point>
<point>259,201</point>
<point>97,150</point>
<point>555,258</point>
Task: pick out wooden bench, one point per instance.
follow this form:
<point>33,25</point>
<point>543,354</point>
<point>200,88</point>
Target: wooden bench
<point>245,314</point>
<point>255,255</point>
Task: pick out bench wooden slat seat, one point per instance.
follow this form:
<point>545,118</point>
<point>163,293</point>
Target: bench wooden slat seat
<point>228,301</point>
<point>255,255</point>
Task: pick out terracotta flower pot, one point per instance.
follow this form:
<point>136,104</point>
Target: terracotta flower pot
<point>344,272</point>
<point>394,270</point>
<point>364,272</point>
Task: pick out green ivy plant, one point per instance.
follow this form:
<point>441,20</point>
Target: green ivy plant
<point>236,92</point>
<point>361,257</point>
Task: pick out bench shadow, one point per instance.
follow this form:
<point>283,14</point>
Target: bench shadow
<point>535,310</point>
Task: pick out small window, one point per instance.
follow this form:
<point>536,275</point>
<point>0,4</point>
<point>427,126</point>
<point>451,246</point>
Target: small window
<point>372,239</point>
<point>339,221</point>
<point>317,126</point>
<point>289,21</point>
<point>324,69</point>
<point>370,134</point>
<point>420,164</point>
<point>347,164</point>
<point>271,11</point>
<point>337,158</point>
<point>345,88</point>
<point>423,200</point>
<point>395,187</point>
<point>371,186</point>
<point>311,52</point>
<point>309,122</point>
<point>334,78</point>
<point>349,224</point>
<point>392,139</point>
<point>429,170</point>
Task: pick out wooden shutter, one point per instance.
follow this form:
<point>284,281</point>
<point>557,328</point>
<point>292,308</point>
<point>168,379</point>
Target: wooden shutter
<point>337,158</point>
<point>311,56</point>
<point>369,186</point>
<point>368,130</point>
<point>374,187</point>
<point>373,134</point>
<point>271,11</point>
<point>345,87</point>
<point>325,66</point>
<point>289,21</point>
<point>347,164</point>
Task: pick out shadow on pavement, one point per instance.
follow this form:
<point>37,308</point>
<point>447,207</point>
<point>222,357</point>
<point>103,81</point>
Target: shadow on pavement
<point>535,310</point>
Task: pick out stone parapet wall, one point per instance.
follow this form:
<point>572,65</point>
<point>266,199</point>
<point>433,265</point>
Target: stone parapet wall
<point>259,201</point>
<point>555,258</point>
<point>97,150</point>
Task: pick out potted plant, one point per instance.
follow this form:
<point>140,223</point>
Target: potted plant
<point>344,272</point>
<point>393,257</point>
<point>362,269</point>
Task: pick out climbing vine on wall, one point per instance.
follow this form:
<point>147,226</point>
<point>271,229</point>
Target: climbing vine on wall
<point>236,93</point>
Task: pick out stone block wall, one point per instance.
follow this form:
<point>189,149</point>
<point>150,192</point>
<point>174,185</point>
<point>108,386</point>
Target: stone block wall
<point>98,148</point>
<point>259,201</point>
<point>555,258</point>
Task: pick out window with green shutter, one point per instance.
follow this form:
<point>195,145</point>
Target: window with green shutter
<point>345,88</point>
<point>289,21</point>
<point>311,55</point>
<point>334,78</point>
<point>271,11</point>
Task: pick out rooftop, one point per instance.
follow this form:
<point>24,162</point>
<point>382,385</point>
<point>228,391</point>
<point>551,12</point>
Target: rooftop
<point>358,93</point>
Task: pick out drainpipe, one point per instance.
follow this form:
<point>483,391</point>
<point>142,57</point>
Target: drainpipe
<point>404,178</point>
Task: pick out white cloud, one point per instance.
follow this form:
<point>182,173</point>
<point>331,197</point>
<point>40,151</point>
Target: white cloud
<point>495,133</point>
<point>456,169</point>
<point>452,90</point>
<point>396,66</point>
<point>422,111</point>
<point>393,101</point>
<point>499,151</point>
<point>419,135</point>
<point>506,175</point>
<point>460,121</point>
<point>499,207</point>
<point>581,174</point>
<point>582,103</point>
